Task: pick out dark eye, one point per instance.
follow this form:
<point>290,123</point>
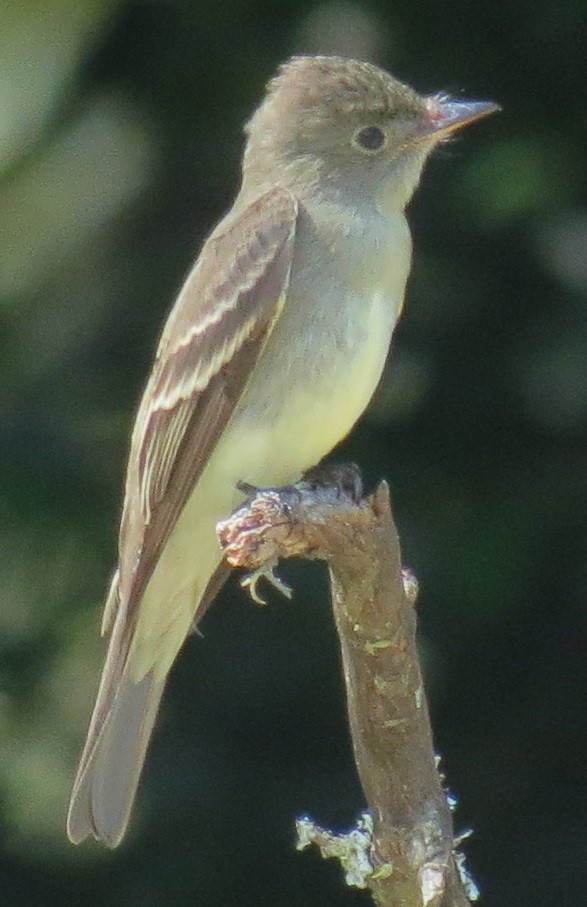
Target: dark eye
<point>371,138</point>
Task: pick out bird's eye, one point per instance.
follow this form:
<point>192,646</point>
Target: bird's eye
<point>370,138</point>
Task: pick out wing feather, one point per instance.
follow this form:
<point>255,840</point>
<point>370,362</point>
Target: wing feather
<point>212,340</point>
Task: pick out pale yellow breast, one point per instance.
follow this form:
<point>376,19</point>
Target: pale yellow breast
<point>316,414</point>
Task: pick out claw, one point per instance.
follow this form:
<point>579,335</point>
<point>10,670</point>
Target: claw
<point>267,572</point>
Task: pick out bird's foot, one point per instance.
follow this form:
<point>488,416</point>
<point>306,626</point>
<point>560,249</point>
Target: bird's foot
<point>345,478</point>
<point>267,572</point>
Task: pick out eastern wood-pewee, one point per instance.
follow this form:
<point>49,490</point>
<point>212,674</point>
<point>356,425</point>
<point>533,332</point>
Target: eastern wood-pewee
<point>269,356</point>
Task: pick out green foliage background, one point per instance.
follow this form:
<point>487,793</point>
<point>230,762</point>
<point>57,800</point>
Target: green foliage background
<point>119,147</point>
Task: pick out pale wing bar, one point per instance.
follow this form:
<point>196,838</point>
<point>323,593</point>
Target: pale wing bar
<point>214,335</point>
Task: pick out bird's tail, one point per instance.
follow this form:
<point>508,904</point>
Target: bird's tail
<point>123,718</point>
<point>116,745</point>
<point>110,768</point>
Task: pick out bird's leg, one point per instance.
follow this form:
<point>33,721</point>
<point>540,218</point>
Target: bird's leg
<point>344,479</point>
<point>267,572</point>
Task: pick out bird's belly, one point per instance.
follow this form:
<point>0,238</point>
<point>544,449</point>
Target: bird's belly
<point>323,401</point>
<point>314,419</point>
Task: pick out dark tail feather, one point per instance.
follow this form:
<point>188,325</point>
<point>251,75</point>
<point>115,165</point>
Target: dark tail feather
<point>107,779</point>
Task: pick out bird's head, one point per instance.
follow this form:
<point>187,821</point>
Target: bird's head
<point>340,126</point>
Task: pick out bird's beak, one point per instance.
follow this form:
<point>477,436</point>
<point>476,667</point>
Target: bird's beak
<point>445,115</point>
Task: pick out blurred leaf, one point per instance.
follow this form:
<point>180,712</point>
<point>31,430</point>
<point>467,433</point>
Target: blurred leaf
<point>517,177</point>
<point>41,44</point>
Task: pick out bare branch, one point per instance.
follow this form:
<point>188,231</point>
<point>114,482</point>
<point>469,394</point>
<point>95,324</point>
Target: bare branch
<point>411,847</point>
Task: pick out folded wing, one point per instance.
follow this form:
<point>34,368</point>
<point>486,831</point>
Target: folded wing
<point>214,336</point>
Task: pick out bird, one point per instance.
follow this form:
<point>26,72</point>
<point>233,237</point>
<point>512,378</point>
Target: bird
<point>270,354</point>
